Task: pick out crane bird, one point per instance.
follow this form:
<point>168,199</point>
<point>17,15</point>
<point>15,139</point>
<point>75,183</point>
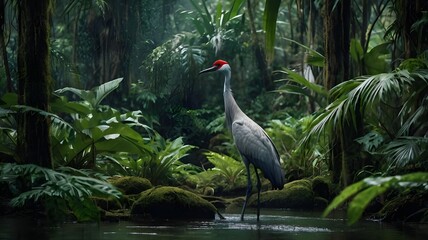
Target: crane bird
<point>253,143</point>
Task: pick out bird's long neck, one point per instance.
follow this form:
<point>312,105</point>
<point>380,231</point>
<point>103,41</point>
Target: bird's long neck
<point>227,77</point>
<point>231,108</point>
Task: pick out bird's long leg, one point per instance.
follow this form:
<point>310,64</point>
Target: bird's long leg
<point>259,185</point>
<point>249,188</point>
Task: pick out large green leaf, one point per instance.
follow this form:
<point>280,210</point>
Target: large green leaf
<point>9,99</point>
<point>269,24</point>
<point>96,94</point>
<point>360,202</point>
<point>62,105</point>
<point>364,191</point>
<point>347,193</point>
<point>373,61</point>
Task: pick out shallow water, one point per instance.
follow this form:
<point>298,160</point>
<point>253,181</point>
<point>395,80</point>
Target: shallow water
<point>274,224</point>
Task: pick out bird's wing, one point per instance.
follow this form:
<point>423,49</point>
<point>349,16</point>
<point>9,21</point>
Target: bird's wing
<point>257,148</point>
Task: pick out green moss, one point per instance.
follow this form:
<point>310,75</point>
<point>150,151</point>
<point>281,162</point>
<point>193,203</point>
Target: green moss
<point>131,185</point>
<point>297,195</point>
<point>301,182</point>
<point>321,186</point>
<point>172,203</point>
<point>107,204</point>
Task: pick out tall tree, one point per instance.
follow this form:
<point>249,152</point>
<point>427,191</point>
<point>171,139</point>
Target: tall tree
<point>259,52</point>
<point>34,144</point>
<point>113,34</point>
<point>413,36</point>
<point>9,87</point>
<point>336,70</point>
<point>336,41</point>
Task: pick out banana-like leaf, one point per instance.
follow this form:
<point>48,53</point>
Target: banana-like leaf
<point>373,61</point>
<point>96,94</point>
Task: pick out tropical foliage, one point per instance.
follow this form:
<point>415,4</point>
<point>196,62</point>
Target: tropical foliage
<point>300,160</point>
<point>394,131</point>
<point>161,165</point>
<point>393,127</point>
<point>59,192</point>
<point>89,136</point>
<point>359,122</point>
<point>365,191</point>
<point>226,169</point>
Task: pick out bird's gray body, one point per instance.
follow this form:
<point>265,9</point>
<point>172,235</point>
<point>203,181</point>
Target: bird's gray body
<point>252,141</point>
<point>254,145</point>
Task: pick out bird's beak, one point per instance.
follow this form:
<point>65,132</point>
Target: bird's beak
<point>211,69</point>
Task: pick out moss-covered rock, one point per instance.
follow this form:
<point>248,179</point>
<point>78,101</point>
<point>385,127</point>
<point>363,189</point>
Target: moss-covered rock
<point>131,185</point>
<point>296,195</point>
<point>109,204</point>
<point>321,187</point>
<point>172,203</point>
<point>301,182</point>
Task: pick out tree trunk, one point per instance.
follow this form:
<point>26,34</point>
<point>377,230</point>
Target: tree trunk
<point>259,52</point>
<point>336,34</point>
<point>9,86</point>
<point>34,81</point>
<point>414,42</point>
<point>114,35</point>
<point>336,27</point>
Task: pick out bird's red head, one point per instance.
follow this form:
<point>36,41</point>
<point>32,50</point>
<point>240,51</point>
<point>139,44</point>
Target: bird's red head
<point>219,63</point>
<point>216,66</point>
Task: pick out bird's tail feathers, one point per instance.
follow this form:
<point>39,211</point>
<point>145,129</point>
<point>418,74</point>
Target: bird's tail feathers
<point>277,178</point>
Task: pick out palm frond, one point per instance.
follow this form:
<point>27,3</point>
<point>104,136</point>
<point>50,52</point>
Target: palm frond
<point>405,150</point>
<point>364,95</point>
